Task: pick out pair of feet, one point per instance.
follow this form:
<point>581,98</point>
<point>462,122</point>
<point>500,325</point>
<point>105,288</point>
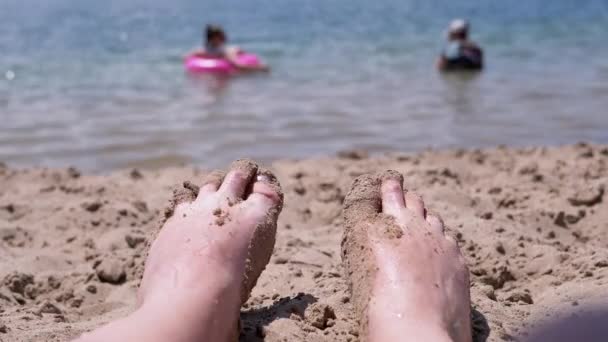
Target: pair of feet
<point>408,280</point>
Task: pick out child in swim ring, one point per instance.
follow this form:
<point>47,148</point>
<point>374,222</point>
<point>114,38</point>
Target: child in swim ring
<point>216,47</point>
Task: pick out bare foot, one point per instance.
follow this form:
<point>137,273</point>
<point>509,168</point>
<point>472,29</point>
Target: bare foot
<point>409,281</point>
<point>205,260</point>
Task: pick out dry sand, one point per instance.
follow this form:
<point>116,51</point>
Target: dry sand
<point>532,223</point>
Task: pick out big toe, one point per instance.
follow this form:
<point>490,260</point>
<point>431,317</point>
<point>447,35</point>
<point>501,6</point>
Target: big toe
<point>402,205</point>
<point>393,201</point>
<point>363,200</point>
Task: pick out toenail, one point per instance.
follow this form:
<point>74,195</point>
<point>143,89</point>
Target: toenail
<point>392,186</point>
<point>238,174</point>
<point>263,178</point>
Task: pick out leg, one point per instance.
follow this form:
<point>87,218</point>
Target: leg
<point>204,262</point>
<point>408,280</point>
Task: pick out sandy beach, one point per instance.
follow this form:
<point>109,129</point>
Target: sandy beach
<point>532,224</point>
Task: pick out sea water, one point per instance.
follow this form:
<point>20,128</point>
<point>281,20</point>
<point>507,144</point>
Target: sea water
<point>100,84</point>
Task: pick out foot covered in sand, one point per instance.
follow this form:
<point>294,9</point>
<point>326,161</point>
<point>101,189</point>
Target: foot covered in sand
<point>205,260</point>
<point>408,280</point>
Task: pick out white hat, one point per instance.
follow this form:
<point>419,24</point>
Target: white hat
<point>458,25</point>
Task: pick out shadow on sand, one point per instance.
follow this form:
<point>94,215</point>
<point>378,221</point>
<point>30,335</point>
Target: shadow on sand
<point>254,321</point>
<point>481,329</point>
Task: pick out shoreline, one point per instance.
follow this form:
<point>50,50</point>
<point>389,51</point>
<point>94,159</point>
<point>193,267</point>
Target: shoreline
<point>178,160</point>
<point>528,220</point>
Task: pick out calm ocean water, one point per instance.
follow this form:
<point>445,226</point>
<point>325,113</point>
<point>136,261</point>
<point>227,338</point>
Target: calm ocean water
<point>100,84</point>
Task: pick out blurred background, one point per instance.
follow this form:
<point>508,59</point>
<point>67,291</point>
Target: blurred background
<point>101,85</point>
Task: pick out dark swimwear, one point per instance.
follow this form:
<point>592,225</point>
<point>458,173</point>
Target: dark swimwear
<point>462,56</point>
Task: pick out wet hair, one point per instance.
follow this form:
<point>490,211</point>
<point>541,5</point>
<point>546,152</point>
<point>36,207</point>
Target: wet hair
<point>214,31</point>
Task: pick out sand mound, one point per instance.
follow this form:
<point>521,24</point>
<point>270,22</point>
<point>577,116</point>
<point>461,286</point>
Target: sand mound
<point>533,225</point>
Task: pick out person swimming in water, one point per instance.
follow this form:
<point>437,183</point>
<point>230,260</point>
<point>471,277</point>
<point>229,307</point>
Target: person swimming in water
<point>460,53</point>
<point>215,46</point>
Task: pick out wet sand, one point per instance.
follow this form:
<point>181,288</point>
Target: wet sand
<point>532,223</point>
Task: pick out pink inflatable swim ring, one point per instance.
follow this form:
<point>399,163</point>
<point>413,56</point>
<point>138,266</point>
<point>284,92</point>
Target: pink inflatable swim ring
<point>200,64</point>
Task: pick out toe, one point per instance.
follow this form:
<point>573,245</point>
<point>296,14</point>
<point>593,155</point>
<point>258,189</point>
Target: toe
<point>414,204</point>
<point>436,223</point>
<point>238,180</point>
<point>266,196</point>
<point>363,200</point>
<point>393,201</point>
<point>211,183</point>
